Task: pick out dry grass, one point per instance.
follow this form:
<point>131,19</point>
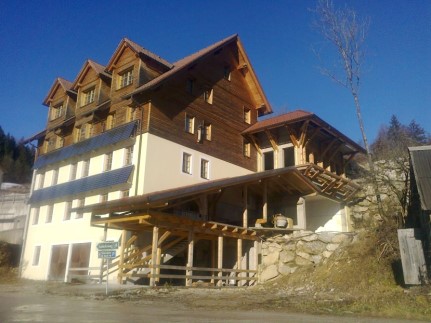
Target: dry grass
<point>364,278</point>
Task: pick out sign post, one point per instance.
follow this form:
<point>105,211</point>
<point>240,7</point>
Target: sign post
<point>107,250</point>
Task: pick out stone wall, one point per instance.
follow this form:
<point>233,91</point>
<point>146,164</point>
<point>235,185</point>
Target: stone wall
<point>284,254</point>
<point>393,184</point>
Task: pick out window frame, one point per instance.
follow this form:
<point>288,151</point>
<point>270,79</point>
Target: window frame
<point>207,131</point>
<point>205,169</point>
<point>187,163</point>
<point>85,171</point>
<point>35,219</point>
<point>247,115</point>
<point>247,149</point>
<point>209,95</point>
<point>49,213</point>
<point>189,124</point>
<point>89,96</point>
<point>54,178</point>
<point>125,78</point>
<point>107,163</point>
<point>80,203</point>
<point>128,156</point>
<point>67,211</point>
<point>36,256</point>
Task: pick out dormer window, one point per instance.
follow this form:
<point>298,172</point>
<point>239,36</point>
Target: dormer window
<point>57,111</point>
<point>125,78</point>
<point>89,96</point>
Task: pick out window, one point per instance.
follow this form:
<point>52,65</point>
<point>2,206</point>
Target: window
<point>59,142</point>
<point>208,96</point>
<point>190,86</point>
<point>57,111</point>
<point>51,143</point>
<point>49,213</point>
<point>110,121</point>
<point>84,131</point>
<point>85,168</point>
<point>289,156</point>
<point>247,115</point>
<point>246,149</point>
<point>73,168</point>
<point>187,163</point>
<point>79,213</point>
<point>205,169</point>
<point>129,114</point>
<point>128,156</point>
<point>268,160</point>
<point>227,73</point>
<point>108,162</point>
<point>124,193</point>
<point>88,96</point>
<point>54,177</point>
<point>189,124</point>
<point>35,216</point>
<point>41,180</point>
<point>207,131</point>
<point>125,78</point>
<point>103,198</point>
<point>36,256</point>
<point>67,211</point>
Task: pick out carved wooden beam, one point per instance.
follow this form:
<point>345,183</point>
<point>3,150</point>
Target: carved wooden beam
<point>303,136</point>
<point>253,140</point>
<point>292,135</point>
<point>272,140</point>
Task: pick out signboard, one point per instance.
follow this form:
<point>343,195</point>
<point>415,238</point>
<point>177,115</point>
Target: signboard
<point>107,245</point>
<point>107,254</point>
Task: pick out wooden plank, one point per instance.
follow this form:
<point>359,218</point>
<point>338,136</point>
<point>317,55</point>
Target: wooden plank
<point>412,257</point>
<point>220,259</point>
<point>191,245</point>
<point>239,259</point>
<point>154,254</point>
<point>121,261</point>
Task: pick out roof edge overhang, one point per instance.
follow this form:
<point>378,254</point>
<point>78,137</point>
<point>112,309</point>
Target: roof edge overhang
<point>59,82</point>
<point>89,64</point>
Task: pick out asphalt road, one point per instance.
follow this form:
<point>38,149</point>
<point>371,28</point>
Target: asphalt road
<point>26,306</point>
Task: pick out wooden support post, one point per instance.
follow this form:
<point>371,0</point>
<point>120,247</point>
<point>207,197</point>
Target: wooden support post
<point>121,263</point>
<point>213,257</point>
<point>189,272</point>
<point>256,260</point>
<point>265,201</point>
<point>239,261</point>
<point>245,207</point>
<point>301,213</point>
<point>220,260</point>
<point>154,255</point>
<point>158,262</point>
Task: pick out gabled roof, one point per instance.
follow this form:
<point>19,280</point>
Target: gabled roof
<point>99,69</point>
<point>190,60</point>
<point>421,163</point>
<point>139,50</point>
<point>58,82</point>
<point>298,116</point>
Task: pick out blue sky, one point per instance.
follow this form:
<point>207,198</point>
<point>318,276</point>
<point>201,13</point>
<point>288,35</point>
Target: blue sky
<point>41,40</point>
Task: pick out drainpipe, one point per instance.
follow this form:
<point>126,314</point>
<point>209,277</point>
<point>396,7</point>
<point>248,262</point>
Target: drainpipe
<point>138,168</point>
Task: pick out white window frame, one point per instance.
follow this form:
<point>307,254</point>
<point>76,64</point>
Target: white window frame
<point>186,165</point>
<point>80,203</point>
<point>85,168</point>
<point>89,96</point>
<point>205,168</point>
<point>247,149</point>
<point>125,78</point>
<point>107,164</point>
<point>73,171</point>
<point>128,156</point>
<point>54,179</point>
<point>247,115</point>
<point>189,124</point>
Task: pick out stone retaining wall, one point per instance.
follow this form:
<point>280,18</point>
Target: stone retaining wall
<point>283,255</point>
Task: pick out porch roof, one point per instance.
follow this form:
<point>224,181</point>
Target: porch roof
<point>295,180</point>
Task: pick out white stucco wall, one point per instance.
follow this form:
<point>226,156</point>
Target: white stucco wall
<point>323,214</point>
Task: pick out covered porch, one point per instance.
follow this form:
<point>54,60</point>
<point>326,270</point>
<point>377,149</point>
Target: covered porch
<point>209,233</point>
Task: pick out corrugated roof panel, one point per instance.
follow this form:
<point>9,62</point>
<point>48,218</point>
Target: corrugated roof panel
<point>110,137</point>
<point>421,163</point>
<point>83,185</point>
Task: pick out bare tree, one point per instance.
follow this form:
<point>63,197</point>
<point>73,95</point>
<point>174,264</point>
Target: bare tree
<point>347,33</point>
